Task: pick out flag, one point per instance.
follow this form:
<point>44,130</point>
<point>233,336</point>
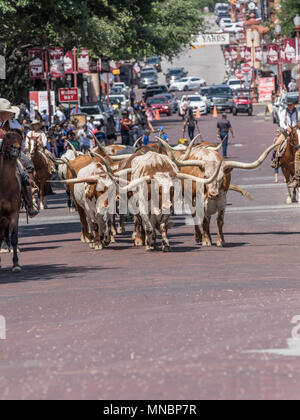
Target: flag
<point>68,62</point>
<point>56,58</point>
<point>83,61</point>
<point>272,54</point>
<point>258,54</point>
<point>290,50</point>
<point>36,63</point>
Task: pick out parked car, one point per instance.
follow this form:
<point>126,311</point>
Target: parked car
<point>232,28</point>
<point>242,102</point>
<point>97,110</point>
<point>172,101</point>
<point>196,101</point>
<point>221,97</point>
<point>116,91</point>
<point>224,21</point>
<point>223,15</point>
<point>175,74</point>
<point>147,77</point>
<point>123,86</point>
<point>161,104</point>
<point>187,83</point>
<point>281,104</point>
<point>154,90</point>
<point>155,61</point>
<point>235,84</point>
<point>115,99</point>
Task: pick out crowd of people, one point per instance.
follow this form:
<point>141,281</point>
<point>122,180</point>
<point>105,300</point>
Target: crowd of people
<point>131,123</point>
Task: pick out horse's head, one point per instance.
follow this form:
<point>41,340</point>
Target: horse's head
<point>12,144</point>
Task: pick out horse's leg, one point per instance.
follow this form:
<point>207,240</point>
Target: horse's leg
<point>14,242</point>
<point>286,174</point>
<point>5,243</point>
<point>45,190</point>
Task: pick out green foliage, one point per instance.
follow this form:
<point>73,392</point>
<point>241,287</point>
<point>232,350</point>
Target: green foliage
<point>114,28</point>
<point>288,10</point>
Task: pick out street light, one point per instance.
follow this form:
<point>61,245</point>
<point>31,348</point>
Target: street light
<point>279,68</point>
<point>297,27</point>
<point>252,37</point>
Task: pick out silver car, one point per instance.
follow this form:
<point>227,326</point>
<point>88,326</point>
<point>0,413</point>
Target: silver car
<point>147,78</point>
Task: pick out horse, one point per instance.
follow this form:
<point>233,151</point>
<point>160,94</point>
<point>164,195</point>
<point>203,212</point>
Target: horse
<point>10,193</point>
<point>42,172</point>
<point>287,164</point>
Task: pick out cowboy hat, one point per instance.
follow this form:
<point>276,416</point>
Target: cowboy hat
<point>5,106</point>
<point>35,122</point>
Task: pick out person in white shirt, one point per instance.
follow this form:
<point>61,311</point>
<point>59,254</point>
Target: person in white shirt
<point>91,126</point>
<point>60,115</point>
<point>85,136</point>
<point>292,86</point>
<point>45,117</point>
<point>35,134</point>
<point>288,119</point>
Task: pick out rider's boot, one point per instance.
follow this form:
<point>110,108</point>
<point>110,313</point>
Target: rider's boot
<point>275,162</point>
<point>27,194</point>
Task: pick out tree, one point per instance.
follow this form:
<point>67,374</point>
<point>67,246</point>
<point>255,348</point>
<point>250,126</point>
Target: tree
<point>288,10</point>
<point>117,29</point>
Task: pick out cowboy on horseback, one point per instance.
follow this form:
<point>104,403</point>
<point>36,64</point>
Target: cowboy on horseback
<point>7,117</point>
<point>288,119</point>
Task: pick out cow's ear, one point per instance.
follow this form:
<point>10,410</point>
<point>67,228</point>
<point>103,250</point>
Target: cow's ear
<point>227,170</point>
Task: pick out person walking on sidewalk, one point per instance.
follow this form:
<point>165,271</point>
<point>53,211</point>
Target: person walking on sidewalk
<point>223,129</point>
<point>190,122</point>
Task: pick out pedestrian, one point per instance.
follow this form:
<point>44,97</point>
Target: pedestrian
<point>132,97</point>
<point>185,106</point>
<point>223,129</point>
<point>149,115</point>
<point>59,115</point>
<point>85,137</point>
<point>118,116</point>
<point>45,118</point>
<point>73,139</point>
<point>110,131</point>
<point>146,137</point>
<point>60,136</point>
<point>125,128</point>
<point>91,124</point>
<point>292,87</point>
<point>190,122</point>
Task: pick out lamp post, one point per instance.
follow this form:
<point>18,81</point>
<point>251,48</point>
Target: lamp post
<point>252,37</point>
<point>297,27</point>
<point>279,68</point>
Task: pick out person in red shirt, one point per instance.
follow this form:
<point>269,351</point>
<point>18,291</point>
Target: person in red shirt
<point>125,128</point>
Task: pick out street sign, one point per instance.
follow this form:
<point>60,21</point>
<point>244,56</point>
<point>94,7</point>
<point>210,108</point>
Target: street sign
<point>68,95</point>
<point>246,68</point>
<point>212,39</point>
<point>239,74</point>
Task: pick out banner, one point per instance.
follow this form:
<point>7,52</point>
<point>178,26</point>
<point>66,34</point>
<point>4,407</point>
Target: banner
<point>40,99</point>
<point>289,47</point>
<point>242,52</point>
<point>233,53</point>
<point>247,55</point>
<point>226,54</point>
<point>83,61</point>
<point>272,54</point>
<point>36,63</point>
<point>258,54</point>
<point>56,58</point>
<point>266,86</point>
<point>68,62</point>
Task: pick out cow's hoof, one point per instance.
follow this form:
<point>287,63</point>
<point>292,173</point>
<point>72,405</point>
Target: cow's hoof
<point>16,269</point>
<point>289,200</point>
<point>4,248</point>
<point>72,210</point>
<point>206,243</point>
<point>42,207</point>
<point>98,247</point>
<point>167,249</point>
<point>149,248</point>
<point>112,240</point>
<point>92,245</point>
<point>198,240</point>
<point>120,230</point>
<point>220,244</point>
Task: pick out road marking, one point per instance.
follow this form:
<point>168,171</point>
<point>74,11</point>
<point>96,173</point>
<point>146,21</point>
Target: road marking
<point>292,350</point>
<point>260,186</point>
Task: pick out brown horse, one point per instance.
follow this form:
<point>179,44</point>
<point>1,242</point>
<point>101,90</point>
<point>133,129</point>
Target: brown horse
<point>10,193</point>
<point>287,164</point>
<point>42,173</point>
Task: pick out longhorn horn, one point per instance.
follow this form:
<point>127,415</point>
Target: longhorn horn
<point>133,184</point>
<point>136,142</point>
<point>252,165</point>
<point>177,162</point>
<point>99,145</point>
<point>123,172</point>
<point>72,147</point>
<point>202,181</point>
<point>104,162</point>
<point>216,148</point>
<point>90,179</point>
<point>119,157</point>
<point>189,149</point>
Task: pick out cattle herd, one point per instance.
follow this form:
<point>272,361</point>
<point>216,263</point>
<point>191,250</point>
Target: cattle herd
<point>109,184</point>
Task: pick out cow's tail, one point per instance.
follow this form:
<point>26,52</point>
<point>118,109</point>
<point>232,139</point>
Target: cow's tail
<point>240,190</point>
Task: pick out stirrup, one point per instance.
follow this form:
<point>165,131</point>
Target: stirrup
<point>32,211</point>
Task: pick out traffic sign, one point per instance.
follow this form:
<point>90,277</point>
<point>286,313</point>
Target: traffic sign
<point>68,95</point>
<point>239,74</point>
<point>246,68</point>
